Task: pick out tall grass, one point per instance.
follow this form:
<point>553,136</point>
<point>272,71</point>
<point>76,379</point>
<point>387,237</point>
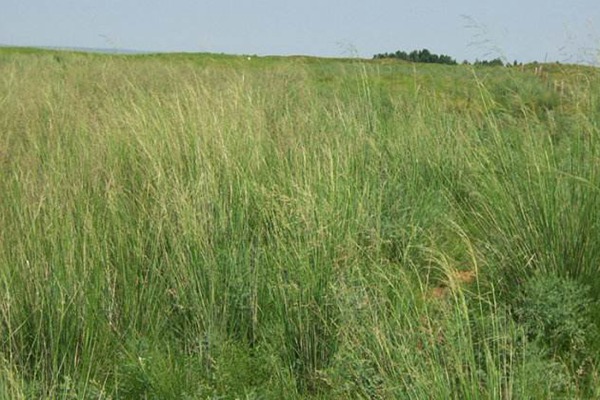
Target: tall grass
<point>191,228</point>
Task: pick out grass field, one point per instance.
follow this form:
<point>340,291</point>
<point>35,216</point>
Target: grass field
<point>219,227</point>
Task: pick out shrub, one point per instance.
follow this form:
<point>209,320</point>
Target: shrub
<point>556,313</point>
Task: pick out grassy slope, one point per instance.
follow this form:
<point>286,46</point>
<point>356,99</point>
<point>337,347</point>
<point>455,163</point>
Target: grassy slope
<point>204,225</point>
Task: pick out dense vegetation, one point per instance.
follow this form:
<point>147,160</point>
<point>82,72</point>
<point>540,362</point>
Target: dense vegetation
<point>199,226</point>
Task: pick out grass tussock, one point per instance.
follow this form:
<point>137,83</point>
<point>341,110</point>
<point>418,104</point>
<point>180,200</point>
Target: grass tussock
<point>214,227</point>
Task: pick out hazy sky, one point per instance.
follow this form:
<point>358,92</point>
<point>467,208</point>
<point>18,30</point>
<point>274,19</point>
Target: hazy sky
<point>563,30</point>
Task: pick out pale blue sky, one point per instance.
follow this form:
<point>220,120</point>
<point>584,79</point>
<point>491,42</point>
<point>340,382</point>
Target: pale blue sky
<point>563,30</point>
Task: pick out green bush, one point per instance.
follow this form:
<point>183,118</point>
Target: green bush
<point>556,312</point>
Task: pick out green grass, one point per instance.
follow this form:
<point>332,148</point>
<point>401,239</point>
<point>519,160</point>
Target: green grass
<point>208,226</point>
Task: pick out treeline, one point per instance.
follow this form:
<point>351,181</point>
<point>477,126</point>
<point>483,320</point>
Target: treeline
<point>419,56</point>
<point>425,56</point>
<point>496,62</point>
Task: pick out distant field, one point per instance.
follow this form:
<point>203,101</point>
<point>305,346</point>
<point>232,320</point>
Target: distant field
<point>207,226</point>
